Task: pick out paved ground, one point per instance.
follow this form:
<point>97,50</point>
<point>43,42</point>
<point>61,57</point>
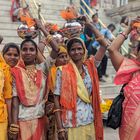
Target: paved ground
<point>111,134</point>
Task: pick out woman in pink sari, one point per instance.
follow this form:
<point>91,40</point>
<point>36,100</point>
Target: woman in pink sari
<point>128,72</point>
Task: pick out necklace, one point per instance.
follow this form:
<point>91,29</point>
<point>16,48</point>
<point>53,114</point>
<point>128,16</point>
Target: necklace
<point>31,72</point>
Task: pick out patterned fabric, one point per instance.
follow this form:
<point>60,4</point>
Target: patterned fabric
<point>31,112</point>
<point>84,112</point>
<point>129,72</point>
<point>36,111</point>
<point>27,88</point>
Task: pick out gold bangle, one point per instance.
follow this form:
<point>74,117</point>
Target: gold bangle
<point>99,38</point>
<point>14,129</point>
<point>61,130</point>
<point>56,110</point>
<point>11,132</point>
<point>14,125</point>
<point>49,38</point>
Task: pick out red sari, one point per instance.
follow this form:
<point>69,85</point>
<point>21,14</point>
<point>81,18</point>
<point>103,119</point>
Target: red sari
<point>14,6</point>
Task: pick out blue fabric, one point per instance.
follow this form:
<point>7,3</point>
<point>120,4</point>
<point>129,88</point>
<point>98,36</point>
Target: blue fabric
<point>106,33</point>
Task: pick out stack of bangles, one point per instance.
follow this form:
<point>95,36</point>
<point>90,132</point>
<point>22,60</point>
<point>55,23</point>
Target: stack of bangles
<point>49,38</point>
<point>61,130</point>
<point>14,129</point>
<point>56,110</point>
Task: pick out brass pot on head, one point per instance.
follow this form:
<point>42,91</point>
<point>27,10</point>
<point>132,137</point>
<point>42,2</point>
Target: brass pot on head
<point>72,29</point>
<point>27,28</point>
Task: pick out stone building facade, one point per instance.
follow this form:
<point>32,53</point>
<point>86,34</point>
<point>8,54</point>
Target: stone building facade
<point>121,8</point>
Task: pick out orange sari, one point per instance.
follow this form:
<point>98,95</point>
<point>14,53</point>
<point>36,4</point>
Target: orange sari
<point>129,72</point>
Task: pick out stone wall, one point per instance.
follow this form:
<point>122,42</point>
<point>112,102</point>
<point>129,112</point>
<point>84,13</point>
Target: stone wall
<point>132,9</point>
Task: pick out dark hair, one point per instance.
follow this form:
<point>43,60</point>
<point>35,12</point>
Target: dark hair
<point>72,41</point>
<point>111,26</point>
<point>10,45</point>
<point>96,14</point>
<point>138,47</point>
<point>29,40</point>
<point>123,19</point>
<point>1,39</point>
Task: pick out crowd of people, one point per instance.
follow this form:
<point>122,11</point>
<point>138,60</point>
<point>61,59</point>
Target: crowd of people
<point>57,97</point>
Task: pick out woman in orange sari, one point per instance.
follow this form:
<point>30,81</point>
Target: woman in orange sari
<point>5,98</point>
<point>77,101</point>
<point>29,90</point>
<point>8,59</point>
<point>128,72</point>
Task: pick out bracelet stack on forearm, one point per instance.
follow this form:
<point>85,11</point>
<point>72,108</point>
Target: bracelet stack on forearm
<point>14,129</point>
<point>60,130</point>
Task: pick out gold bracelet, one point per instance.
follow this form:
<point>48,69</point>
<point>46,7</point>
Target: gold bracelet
<point>61,130</point>
<point>10,132</point>
<point>56,110</point>
<point>49,38</point>
<point>14,125</point>
<point>99,38</point>
<point>14,129</point>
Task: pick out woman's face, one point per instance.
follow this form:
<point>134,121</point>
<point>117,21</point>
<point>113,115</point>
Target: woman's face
<point>28,53</point>
<point>95,19</point>
<point>62,59</point>
<point>76,52</point>
<point>11,57</point>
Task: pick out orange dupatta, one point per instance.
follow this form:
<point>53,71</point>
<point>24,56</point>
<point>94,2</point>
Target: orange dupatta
<point>27,95</point>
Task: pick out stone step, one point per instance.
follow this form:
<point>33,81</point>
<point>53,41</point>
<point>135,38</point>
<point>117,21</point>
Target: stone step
<point>5,7</point>
<point>5,13</point>
<point>46,12</point>
<point>55,2</point>
<point>109,90</point>
<point>110,70</point>
<point>8,26</point>
<point>54,7</point>
<point>5,19</point>
<point>60,23</point>
<point>6,3</point>
<point>14,39</point>
<point>54,17</point>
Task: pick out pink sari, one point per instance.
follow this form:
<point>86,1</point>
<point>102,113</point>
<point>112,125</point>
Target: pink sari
<point>129,72</point>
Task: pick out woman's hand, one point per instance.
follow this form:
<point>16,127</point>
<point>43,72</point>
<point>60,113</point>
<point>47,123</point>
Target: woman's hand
<point>84,19</point>
<point>62,136</point>
<point>38,23</point>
